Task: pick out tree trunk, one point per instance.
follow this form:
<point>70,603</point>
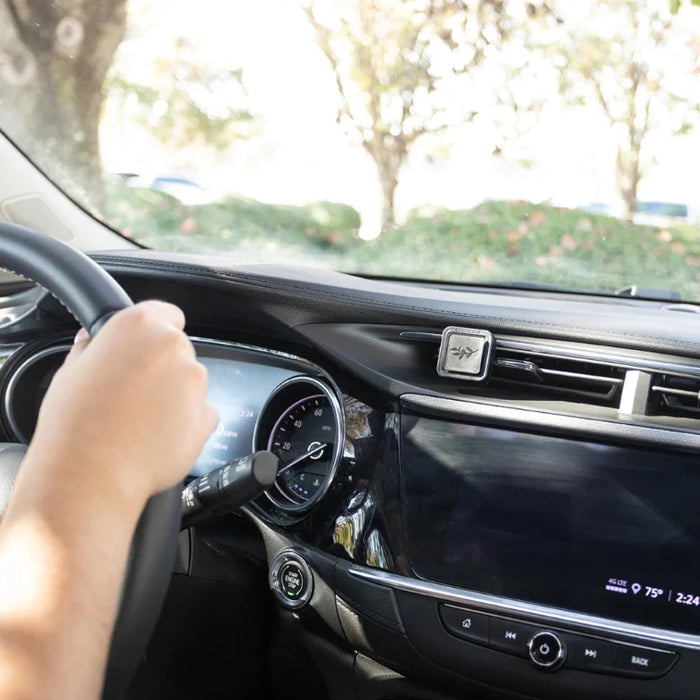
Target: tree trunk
<point>628,174</point>
<point>388,153</point>
<point>389,181</point>
<point>57,55</point>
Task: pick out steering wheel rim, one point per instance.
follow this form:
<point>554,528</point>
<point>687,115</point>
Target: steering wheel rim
<point>93,296</point>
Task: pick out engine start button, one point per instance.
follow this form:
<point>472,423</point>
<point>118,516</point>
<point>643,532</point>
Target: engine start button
<point>547,651</point>
<point>292,580</point>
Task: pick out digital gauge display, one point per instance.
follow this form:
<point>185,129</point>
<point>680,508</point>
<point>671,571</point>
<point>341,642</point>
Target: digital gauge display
<point>238,388</point>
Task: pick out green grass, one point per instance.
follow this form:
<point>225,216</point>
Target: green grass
<point>244,228</point>
<point>495,241</point>
<point>509,241</point>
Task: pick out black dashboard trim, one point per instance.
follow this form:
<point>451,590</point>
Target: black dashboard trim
<point>304,295</point>
<point>510,606</point>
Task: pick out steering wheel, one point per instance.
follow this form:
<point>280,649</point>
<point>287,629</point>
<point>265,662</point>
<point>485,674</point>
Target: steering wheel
<point>93,296</point>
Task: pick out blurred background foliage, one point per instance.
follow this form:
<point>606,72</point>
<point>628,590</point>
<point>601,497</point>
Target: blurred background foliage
<point>407,77</point>
<point>495,241</point>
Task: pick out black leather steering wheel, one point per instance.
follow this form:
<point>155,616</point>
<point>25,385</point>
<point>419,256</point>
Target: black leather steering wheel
<point>92,296</point>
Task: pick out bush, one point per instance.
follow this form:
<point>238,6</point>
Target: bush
<point>494,242</point>
<point>243,227</point>
<point>521,241</point>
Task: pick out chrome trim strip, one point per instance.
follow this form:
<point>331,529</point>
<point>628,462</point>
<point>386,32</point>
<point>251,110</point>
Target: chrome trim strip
<point>616,381</point>
<point>511,606</point>
<point>422,336</point>
<point>657,436</point>
<point>675,392</point>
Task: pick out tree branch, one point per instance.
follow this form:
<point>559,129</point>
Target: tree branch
<point>601,98</point>
<point>323,42</point>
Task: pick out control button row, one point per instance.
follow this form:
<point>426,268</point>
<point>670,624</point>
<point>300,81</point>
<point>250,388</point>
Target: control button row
<point>550,650</point>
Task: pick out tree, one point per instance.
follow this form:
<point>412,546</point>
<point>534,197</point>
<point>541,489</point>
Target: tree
<point>637,61</point>
<point>54,57</point>
<point>182,100</point>
<point>57,75</point>
<point>403,69</point>
<point>675,5</point>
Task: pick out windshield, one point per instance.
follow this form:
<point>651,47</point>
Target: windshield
<point>519,143</point>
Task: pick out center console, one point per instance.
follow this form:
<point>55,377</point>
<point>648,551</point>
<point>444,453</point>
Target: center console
<point>520,555</point>
<point>568,552</point>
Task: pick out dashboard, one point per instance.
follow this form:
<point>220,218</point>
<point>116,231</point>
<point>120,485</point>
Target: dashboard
<point>461,506</point>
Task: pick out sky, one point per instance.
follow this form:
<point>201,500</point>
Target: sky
<point>303,155</point>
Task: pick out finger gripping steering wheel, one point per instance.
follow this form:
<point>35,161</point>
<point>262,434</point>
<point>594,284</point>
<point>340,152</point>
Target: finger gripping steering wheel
<point>93,296</point>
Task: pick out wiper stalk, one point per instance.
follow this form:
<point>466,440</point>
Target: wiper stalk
<point>654,293</point>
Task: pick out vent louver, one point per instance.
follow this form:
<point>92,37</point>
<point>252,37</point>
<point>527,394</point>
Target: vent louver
<point>675,395</point>
<point>549,374</point>
<point>633,384</point>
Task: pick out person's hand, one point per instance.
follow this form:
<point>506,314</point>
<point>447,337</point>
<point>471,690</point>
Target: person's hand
<point>127,411</point>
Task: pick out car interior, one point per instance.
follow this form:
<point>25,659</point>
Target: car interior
<point>417,489</point>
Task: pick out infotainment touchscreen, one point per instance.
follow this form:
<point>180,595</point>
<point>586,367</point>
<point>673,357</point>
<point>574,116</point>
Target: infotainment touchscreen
<point>606,530</point>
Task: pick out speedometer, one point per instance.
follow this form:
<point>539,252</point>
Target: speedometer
<point>303,425</point>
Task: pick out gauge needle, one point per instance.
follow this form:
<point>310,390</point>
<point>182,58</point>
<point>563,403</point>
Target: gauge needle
<point>310,453</point>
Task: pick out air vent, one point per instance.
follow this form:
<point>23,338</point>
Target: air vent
<point>675,395</point>
<point>630,383</point>
<point>556,375</point>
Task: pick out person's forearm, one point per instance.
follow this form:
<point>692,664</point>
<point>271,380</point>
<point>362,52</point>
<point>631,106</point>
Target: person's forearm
<point>57,605</point>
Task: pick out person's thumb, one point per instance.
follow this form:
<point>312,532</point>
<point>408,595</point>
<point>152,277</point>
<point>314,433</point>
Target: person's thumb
<point>80,342</point>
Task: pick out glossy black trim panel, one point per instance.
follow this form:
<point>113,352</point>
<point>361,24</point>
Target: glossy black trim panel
<point>509,606</point>
<point>552,422</point>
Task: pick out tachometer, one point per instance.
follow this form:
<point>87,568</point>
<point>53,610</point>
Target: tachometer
<point>303,425</point>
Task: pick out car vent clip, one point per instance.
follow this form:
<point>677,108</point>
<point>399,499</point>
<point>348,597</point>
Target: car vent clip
<point>465,353</point>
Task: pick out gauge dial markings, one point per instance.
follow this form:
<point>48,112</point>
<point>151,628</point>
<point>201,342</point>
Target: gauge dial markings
<point>304,437</point>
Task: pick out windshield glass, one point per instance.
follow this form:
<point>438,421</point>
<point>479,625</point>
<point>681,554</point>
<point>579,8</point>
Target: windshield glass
<point>539,143</point>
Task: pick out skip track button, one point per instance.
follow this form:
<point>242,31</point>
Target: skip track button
<point>510,637</point>
<point>589,653</point>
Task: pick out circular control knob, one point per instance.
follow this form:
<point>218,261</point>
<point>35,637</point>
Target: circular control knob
<point>291,580</point>
<point>547,651</point>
